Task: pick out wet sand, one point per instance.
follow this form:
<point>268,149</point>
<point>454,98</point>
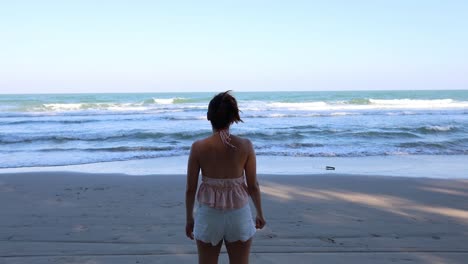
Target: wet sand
<point>64,217</point>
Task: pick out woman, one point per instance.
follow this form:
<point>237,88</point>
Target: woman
<point>228,168</point>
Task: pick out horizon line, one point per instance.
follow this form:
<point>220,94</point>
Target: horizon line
<point>253,91</point>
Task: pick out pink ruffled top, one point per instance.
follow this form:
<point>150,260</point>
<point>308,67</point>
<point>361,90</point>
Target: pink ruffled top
<point>223,193</point>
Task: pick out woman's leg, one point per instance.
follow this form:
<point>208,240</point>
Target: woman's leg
<point>207,253</point>
<point>238,251</point>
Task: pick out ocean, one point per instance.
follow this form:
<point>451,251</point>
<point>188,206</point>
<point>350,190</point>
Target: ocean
<point>66,129</point>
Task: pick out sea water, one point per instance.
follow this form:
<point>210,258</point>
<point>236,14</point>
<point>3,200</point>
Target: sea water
<point>68,129</point>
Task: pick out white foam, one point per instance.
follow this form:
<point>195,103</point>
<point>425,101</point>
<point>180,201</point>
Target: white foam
<point>62,107</point>
<point>168,101</point>
<point>375,104</point>
<point>341,114</point>
<point>126,107</point>
<point>117,107</point>
<point>338,107</point>
<point>164,100</point>
<point>440,128</point>
<point>416,103</point>
<point>300,106</point>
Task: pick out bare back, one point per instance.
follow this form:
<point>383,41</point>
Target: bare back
<point>222,162</point>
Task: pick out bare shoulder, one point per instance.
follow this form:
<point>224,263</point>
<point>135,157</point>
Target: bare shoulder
<point>196,145</point>
<point>199,144</point>
<point>245,143</point>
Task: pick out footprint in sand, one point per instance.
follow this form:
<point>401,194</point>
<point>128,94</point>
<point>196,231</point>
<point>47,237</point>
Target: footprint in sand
<point>327,239</point>
<point>6,188</point>
<point>170,204</point>
<point>80,228</point>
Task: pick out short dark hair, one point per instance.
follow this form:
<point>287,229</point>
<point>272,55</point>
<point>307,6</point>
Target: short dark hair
<point>223,111</point>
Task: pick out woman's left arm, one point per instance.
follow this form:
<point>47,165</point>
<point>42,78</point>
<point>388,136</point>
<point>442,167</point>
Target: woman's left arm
<point>193,169</point>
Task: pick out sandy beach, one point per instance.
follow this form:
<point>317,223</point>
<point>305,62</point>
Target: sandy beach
<point>64,217</point>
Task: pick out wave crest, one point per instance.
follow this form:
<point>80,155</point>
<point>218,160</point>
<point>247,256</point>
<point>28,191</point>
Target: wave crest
<point>168,101</point>
<point>438,128</point>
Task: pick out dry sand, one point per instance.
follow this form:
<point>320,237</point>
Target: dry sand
<point>65,217</point>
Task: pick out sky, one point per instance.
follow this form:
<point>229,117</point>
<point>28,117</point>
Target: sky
<point>183,46</point>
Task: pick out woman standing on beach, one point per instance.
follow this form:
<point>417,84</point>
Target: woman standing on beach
<point>223,198</point>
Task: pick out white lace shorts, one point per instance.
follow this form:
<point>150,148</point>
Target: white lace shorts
<point>213,225</point>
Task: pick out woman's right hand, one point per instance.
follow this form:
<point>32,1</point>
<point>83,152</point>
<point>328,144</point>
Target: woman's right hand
<point>189,229</point>
<point>259,222</point>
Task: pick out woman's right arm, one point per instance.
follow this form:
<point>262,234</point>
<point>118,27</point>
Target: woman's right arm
<point>253,187</point>
<point>193,169</point>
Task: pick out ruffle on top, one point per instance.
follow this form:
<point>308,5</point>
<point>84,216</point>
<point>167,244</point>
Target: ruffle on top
<point>223,193</point>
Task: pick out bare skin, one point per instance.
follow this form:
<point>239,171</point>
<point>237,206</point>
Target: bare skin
<point>215,160</point>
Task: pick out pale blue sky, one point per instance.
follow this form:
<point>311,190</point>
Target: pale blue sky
<point>158,46</point>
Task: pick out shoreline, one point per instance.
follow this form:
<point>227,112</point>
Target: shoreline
<point>421,166</point>
<point>65,217</point>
